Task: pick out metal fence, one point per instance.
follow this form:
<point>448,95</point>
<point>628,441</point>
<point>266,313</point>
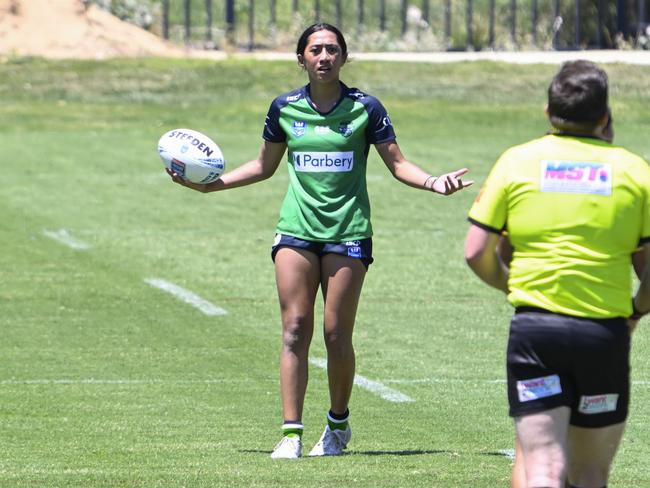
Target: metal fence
<point>412,25</point>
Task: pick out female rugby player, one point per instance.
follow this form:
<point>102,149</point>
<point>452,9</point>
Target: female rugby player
<point>323,237</point>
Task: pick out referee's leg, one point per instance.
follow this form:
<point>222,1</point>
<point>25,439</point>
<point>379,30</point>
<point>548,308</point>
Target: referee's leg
<point>592,451</point>
<point>543,439</point>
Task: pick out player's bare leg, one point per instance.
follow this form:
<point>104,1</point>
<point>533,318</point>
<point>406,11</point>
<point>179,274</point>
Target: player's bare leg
<point>341,280</point>
<point>297,274</point>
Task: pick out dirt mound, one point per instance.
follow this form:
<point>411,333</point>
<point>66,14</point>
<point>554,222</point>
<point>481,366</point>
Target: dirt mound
<point>69,29</point>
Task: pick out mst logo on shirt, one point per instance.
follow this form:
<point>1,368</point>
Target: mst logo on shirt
<point>321,162</point>
<point>576,177</point>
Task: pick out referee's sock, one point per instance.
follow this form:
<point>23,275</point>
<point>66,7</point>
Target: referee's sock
<point>338,421</point>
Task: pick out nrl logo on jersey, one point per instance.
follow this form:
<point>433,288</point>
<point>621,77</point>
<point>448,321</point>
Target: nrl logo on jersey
<point>346,129</point>
<point>298,128</point>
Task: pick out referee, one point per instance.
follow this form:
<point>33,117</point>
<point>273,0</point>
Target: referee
<point>575,208</point>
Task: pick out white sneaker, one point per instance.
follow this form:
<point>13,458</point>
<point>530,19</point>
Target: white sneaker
<point>288,448</point>
<point>332,442</point>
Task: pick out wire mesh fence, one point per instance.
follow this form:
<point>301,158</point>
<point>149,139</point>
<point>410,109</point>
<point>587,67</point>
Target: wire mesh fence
<point>402,25</point>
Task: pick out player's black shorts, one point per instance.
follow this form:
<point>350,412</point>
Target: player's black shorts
<point>556,360</point>
<point>360,249</point>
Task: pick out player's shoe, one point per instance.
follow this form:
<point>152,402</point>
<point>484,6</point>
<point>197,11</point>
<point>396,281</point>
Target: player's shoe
<point>332,442</point>
<point>289,447</point>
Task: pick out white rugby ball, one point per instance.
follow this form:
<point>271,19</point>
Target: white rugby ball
<point>192,155</point>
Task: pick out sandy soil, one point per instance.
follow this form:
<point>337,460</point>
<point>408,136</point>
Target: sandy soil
<point>67,29</point>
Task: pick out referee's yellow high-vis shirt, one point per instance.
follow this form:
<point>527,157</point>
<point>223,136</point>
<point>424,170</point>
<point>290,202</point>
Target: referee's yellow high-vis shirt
<point>575,209</point>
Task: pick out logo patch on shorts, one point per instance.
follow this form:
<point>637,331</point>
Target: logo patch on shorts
<point>536,388</point>
<point>598,403</point>
<point>353,251</point>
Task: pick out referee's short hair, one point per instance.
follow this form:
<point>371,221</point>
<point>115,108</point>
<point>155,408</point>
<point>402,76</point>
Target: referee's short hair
<point>578,94</point>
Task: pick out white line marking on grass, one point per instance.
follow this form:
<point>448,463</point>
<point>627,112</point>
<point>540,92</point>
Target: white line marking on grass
<point>64,237</point>
<point>509,453</point>
<point>372,386</point>
<point>432,381</point>
<point>94,381</point>
<point>186,296</point>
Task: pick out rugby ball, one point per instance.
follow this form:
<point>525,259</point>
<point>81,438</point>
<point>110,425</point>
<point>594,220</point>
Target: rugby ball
<point>192,155</point>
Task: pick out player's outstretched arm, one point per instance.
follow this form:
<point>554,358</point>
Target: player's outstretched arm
<point>248,173</point>
<point>412,175</point>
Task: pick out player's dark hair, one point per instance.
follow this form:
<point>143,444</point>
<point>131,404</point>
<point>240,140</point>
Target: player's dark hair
<point>578,93</point>
<point>304,37</point>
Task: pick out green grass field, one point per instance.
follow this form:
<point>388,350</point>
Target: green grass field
<point>107,381</point>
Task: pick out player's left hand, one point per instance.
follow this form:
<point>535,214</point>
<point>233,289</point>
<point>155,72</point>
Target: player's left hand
<point>451,182</point>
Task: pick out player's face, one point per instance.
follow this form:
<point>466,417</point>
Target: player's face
<point>323,57</point>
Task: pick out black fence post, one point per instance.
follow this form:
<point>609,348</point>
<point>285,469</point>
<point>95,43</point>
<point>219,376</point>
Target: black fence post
<point>273,21</point>
<point>425,10</point>
<point>534,21</point>
<point>230,21</point>
<point>491,24</point>
<point>447,22</point>
<point>208,21</point>
<point>403,7</point>
<point>251,25</point>
<point>294,6</point>
<point>600,31</point>
<point>513,21</point>
<point>187,8</point>
<point>641,20</point>
<point>557,24</point>
<point>165,19</point>
<point>317,10</point>
<point>578,34</point>
<point>273,13</point>
<point>382,15</point>
<point>469,11</point>
<point>360,15</point>
<point>621,17</point>
<point>339,14</point>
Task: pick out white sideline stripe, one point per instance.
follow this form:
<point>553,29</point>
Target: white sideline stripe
<point>431,381</point>
<point>443,380</point>
<point>509,453</point>
<point>372,386</point>
<point>186,296</point>
<point>94,381</point>
<point>64,237</point>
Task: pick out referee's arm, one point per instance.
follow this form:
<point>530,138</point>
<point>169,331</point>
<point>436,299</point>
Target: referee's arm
<point>483,259</point>
<point>641,300</point>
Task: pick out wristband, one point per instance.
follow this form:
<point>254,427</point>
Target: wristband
<point>435,178</point>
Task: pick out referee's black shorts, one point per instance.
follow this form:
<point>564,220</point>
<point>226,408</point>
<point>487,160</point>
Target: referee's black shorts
<point>556,360</point>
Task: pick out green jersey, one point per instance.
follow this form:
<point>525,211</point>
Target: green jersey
<point>575,210</point>
<point>327,199</point>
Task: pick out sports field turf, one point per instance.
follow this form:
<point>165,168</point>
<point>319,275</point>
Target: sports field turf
<point>106,380</point>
